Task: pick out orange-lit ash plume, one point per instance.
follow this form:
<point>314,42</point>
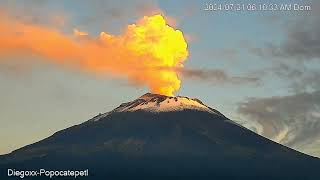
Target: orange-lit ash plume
<point>136,55</point>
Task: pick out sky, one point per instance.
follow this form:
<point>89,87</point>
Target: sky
<point>259,68</point>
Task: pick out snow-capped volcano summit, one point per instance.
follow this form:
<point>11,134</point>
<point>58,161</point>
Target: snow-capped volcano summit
<point>167,137</point>
<point>161,103</point>
<point>156,103</point>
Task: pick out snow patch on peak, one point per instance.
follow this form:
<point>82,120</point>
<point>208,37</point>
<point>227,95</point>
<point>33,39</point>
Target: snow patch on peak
<point>156,103</point>
<point>160,103</point>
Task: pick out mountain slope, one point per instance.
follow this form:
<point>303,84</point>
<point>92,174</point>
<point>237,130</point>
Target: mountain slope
<point>160,136</point>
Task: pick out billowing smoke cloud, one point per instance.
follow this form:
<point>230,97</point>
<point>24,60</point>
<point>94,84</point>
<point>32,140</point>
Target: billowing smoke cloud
<point>134,55</point>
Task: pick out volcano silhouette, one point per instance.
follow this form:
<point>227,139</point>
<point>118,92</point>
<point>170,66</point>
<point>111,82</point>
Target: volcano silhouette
<point>161,137</point>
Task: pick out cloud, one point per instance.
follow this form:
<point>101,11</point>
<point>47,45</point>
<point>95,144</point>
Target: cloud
<point>76,32</point>
<point>298,78</point>
<point>302,79</point>
<point>291,120</point>
<point>302,39</point>
<point>301,45</point>
<point>216,76</point>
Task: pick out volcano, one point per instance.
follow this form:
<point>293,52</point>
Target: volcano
<point>162,137</point>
